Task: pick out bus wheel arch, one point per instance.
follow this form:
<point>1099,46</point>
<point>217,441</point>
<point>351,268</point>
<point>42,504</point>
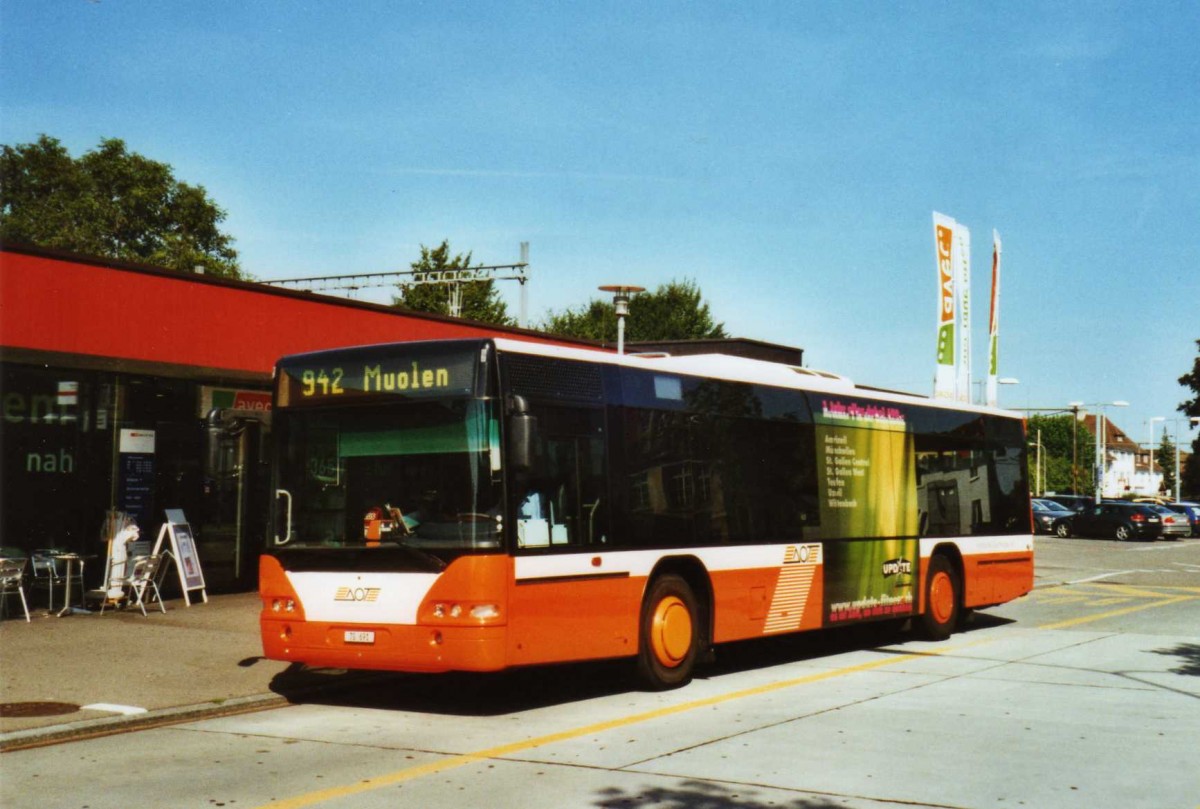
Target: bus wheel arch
<point>943,594</point>
<point>675,626</point>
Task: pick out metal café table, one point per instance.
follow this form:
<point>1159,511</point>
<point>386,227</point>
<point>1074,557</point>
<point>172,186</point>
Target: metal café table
<point>74,561</point>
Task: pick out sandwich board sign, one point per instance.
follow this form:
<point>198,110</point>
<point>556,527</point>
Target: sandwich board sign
<point>183,550</point>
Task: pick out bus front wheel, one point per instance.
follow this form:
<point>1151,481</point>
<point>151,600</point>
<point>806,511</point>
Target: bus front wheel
<point>669,640</point>
<point>943,599</point>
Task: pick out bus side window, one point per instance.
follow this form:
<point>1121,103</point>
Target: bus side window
<point>533,524</point>
<point>560,504</point>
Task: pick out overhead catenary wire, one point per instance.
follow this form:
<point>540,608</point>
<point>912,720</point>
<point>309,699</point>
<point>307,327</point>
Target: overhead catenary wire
<point>453,278</point>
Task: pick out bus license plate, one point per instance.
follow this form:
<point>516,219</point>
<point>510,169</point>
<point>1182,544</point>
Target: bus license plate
<point>359,636</point>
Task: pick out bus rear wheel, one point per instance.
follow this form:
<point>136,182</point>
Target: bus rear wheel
<point>669,640</point>
<point>943,599</point>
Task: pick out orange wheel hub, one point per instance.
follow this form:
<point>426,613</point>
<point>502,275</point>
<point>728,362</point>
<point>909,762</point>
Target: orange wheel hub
<point>671,637</point>
<point>941,597</point>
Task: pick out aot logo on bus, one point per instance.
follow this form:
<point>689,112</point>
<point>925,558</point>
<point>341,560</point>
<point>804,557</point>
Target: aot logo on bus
<point>802,554</point>
<point>356,594</point>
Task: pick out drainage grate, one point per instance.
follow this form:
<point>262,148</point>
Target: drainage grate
<point>28,709</point>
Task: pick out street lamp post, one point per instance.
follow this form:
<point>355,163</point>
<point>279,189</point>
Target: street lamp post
<point>1073,408</point>
<point>1191,421</point>
<point>1102,443</point>
<point>621,293</point>
<point>1075,446</point>
<point>1152,420</point>
<point>1177,481</point>
<point>1039,478</point>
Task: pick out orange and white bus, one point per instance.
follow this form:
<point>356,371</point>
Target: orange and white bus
<point>475,505</point>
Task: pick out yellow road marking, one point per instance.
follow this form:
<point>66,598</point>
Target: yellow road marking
<point>451,762</point>
<point>1100,616</point>
<point>1066,593</point>
<point>1181,589</point>
<point>1063,598</point>
<point>1130,590</point>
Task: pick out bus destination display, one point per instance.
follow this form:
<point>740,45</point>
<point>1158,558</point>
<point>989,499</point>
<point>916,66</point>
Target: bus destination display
<point>311,383</point>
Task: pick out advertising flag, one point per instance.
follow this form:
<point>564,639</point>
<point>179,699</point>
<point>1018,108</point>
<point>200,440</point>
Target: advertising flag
<point>963,287</point>
<point>945,381</point>
<point>994,326</point>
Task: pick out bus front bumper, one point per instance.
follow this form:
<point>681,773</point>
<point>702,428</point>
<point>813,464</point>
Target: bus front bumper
<point>386,647</point>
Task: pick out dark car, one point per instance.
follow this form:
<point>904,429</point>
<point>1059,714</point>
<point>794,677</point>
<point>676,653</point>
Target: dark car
<point>1074,502</point>
<point>1119,521</point>
<point>1050,517</point>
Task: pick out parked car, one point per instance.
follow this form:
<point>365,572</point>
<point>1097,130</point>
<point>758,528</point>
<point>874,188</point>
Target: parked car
<point>1175,525</point>
<point>1119,520</point>
<point>1075,502</point>
<point>1051,518</point>
<point>1191,511</point>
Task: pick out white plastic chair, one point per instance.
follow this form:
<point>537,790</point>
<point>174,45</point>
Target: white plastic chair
<point>12,580</point>
<point>145,576</point>
<point>46,573</point>
<point>141,576</point>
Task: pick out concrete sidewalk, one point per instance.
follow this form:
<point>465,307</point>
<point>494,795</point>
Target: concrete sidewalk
<point>90,674</point>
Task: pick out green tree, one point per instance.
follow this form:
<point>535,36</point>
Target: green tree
<point>1062,439</point>
<point>480,299</point>
<point>1190,474</point>
<point>1166,462</point>
<point>674,311</point>
<point>110,203</point>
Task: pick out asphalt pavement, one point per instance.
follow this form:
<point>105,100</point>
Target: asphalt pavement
<point>87,674</point>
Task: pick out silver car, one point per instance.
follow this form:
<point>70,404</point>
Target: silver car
<point>1191,511</point>
<point>1175,525</point>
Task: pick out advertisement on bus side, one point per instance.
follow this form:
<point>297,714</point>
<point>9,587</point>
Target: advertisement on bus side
<point>868,491</point>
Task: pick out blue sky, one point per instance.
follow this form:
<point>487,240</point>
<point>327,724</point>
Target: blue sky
<point>785,156</point>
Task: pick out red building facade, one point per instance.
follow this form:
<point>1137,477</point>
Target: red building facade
<point>139,389</point>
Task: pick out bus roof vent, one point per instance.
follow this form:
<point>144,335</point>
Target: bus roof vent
<point>815,372</point>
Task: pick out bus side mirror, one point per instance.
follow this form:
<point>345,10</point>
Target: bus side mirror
<point>523,436</point>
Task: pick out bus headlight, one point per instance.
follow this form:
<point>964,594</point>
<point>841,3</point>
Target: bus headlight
<point>485,611</point>
<point>478,612</point>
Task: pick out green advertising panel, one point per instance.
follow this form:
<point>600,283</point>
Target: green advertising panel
<point>868,502</point>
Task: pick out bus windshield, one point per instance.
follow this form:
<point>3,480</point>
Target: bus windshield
<point>423,474</point>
